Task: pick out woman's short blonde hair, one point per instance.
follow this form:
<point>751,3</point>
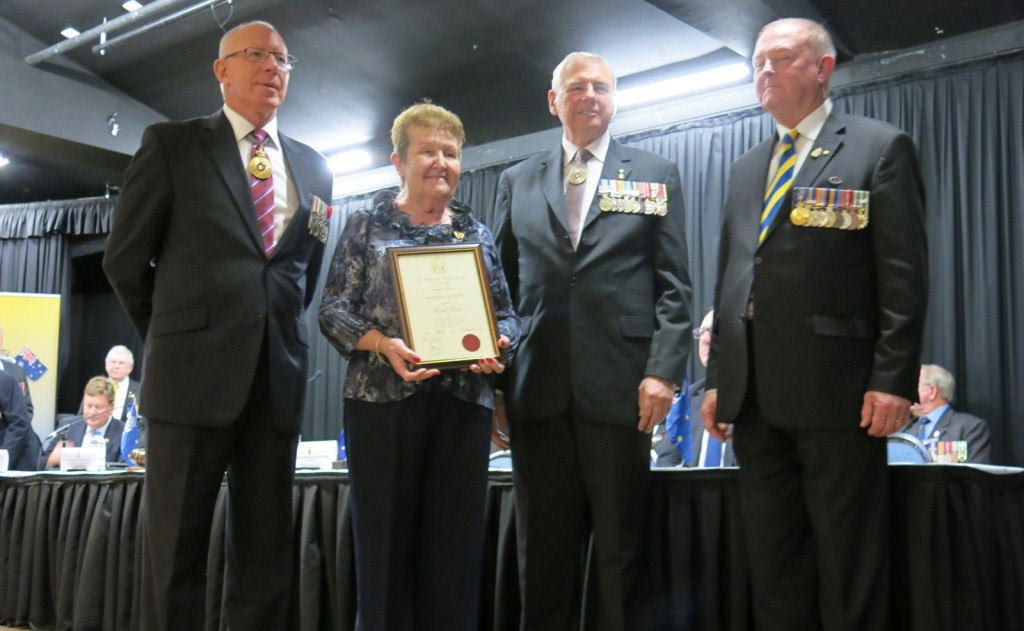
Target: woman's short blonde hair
<point>425,115</point>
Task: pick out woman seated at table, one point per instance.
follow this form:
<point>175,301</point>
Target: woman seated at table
<point>417,438</point>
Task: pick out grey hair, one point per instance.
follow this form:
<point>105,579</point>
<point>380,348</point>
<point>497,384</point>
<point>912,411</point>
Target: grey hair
<point>942,379</point>
<point>556,75</point>
<point>817,35</point>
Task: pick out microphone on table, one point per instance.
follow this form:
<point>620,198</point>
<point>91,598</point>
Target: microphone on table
<point>50,440</point>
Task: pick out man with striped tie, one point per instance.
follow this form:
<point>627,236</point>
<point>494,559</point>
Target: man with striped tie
<point>214,252</point>
<point>820,305</point>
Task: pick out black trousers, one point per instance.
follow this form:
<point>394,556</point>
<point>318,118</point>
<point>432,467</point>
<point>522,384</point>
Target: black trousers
<point>418,479</point>
<point>185,468</point>
<point>815,508</point>
<point>575,477</point>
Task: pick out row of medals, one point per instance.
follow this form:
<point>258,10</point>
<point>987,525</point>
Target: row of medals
<point>609,202</point>
<point>824,217</point>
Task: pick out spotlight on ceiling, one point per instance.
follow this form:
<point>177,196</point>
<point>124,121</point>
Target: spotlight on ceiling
<point>113,125</point>
<point>679,86</point>
<point>132,5</point>
<point>69,32</point>
<point>350,160</point>
<point>4,161</point>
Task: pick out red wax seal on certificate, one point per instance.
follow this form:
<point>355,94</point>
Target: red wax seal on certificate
<point>471,343</point>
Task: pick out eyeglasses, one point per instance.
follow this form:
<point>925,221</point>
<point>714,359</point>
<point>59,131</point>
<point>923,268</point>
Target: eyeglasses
<point>258,56</point>
<point>701,331</point>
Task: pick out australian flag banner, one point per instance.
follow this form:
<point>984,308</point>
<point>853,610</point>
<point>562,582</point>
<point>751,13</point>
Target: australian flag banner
<point>130,434</point>
<point>677,423</point>
<point>34,368</point>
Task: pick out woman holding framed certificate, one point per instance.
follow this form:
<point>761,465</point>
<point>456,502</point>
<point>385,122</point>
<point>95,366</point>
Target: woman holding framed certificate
<point>416,300</point>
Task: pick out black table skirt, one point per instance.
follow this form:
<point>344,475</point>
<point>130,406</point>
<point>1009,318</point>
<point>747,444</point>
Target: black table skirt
<point>68,552</point>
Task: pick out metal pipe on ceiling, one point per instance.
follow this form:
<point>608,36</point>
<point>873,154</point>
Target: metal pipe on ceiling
<point>98,49</point>
<point>94,32</point>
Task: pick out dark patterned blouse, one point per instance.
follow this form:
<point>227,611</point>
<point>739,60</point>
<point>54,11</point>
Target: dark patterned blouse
<point>359,296</point>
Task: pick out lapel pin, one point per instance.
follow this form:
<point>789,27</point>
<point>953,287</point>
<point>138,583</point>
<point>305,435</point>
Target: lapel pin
<point>622,174</point>
<point>835,180</point>
<point>825,152</point>
<point>816,152</point>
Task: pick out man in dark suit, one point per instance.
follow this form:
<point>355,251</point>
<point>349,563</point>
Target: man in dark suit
<point>936,420</point>
<point>119,365</point>
<point>816,342</point>
<point>218,293</point>
<point>595,255</point>
<point>707,451</point>
<point>16,433</point>
<point>717,454</point>
<point>8,365</point>
<point>95,425</point>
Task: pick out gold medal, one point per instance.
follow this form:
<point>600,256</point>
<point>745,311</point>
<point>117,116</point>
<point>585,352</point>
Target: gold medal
<point>830,218</point>
<point>577,175</point>
<point>259,164</point>
<point>605,204</point>
<point>800,216</point>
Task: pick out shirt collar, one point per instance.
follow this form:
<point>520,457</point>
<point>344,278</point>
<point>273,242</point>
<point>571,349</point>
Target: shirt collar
<point>243,128</point>
<point>102,429</point>
<point>598,148</point>
<point>811,125</point>
<point>936,414</point>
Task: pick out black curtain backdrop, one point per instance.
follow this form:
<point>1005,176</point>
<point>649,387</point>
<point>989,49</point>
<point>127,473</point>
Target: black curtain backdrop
<point>968,123</point>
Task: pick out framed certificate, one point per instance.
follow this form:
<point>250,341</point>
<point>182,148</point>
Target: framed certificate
<point>445,304</point>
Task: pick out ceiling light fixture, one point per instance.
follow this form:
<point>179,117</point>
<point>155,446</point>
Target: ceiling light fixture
<point>132,5</point>
<point>679,86</point>
<point>112,124</point>
<point>69,32</point>
<point>4,161</point>
<point>350,160</point>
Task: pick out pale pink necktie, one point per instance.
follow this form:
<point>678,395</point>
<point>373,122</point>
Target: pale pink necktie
<point>263,196</point>
<point>574,197</point>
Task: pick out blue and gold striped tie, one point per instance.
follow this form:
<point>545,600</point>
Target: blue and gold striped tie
<point>780,185</point>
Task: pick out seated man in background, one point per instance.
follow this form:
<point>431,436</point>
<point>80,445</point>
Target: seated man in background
<point>937,421</point>
<point>119,365</point>
<point>705,450</point>
<point>16,433</point>
<point>10,366</point>
<point>95,426</point>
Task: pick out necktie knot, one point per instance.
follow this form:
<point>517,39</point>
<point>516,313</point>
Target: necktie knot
<point>260,136</point>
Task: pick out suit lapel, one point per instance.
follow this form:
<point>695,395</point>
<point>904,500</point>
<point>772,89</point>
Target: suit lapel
<point>551,183</point>
<point>617,166</point>
<point>223,149</point>
<point>753,189</point>
<point>299,172</point>
<point>829,140</point>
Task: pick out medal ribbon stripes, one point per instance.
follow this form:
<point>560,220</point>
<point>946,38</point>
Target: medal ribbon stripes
<point>622,196</point>
<point>842,209</point>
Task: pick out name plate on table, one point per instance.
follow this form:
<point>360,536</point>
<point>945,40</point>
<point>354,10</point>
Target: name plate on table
<point>445,304</point>
<point>93,459</point>
<point>316,454</point>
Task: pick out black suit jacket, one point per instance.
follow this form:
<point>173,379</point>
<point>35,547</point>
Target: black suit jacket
<point>186,260</point>
<point>16,433</point>
<point>836,312</point>
<point>953,425</point>
<point>597,320</point>
<point>18,373</point>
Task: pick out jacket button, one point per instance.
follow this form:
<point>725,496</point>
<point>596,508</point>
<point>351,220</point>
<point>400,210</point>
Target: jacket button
<point>757,260</point>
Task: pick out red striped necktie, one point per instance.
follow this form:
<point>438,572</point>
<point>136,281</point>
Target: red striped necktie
<point>263,192</point>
